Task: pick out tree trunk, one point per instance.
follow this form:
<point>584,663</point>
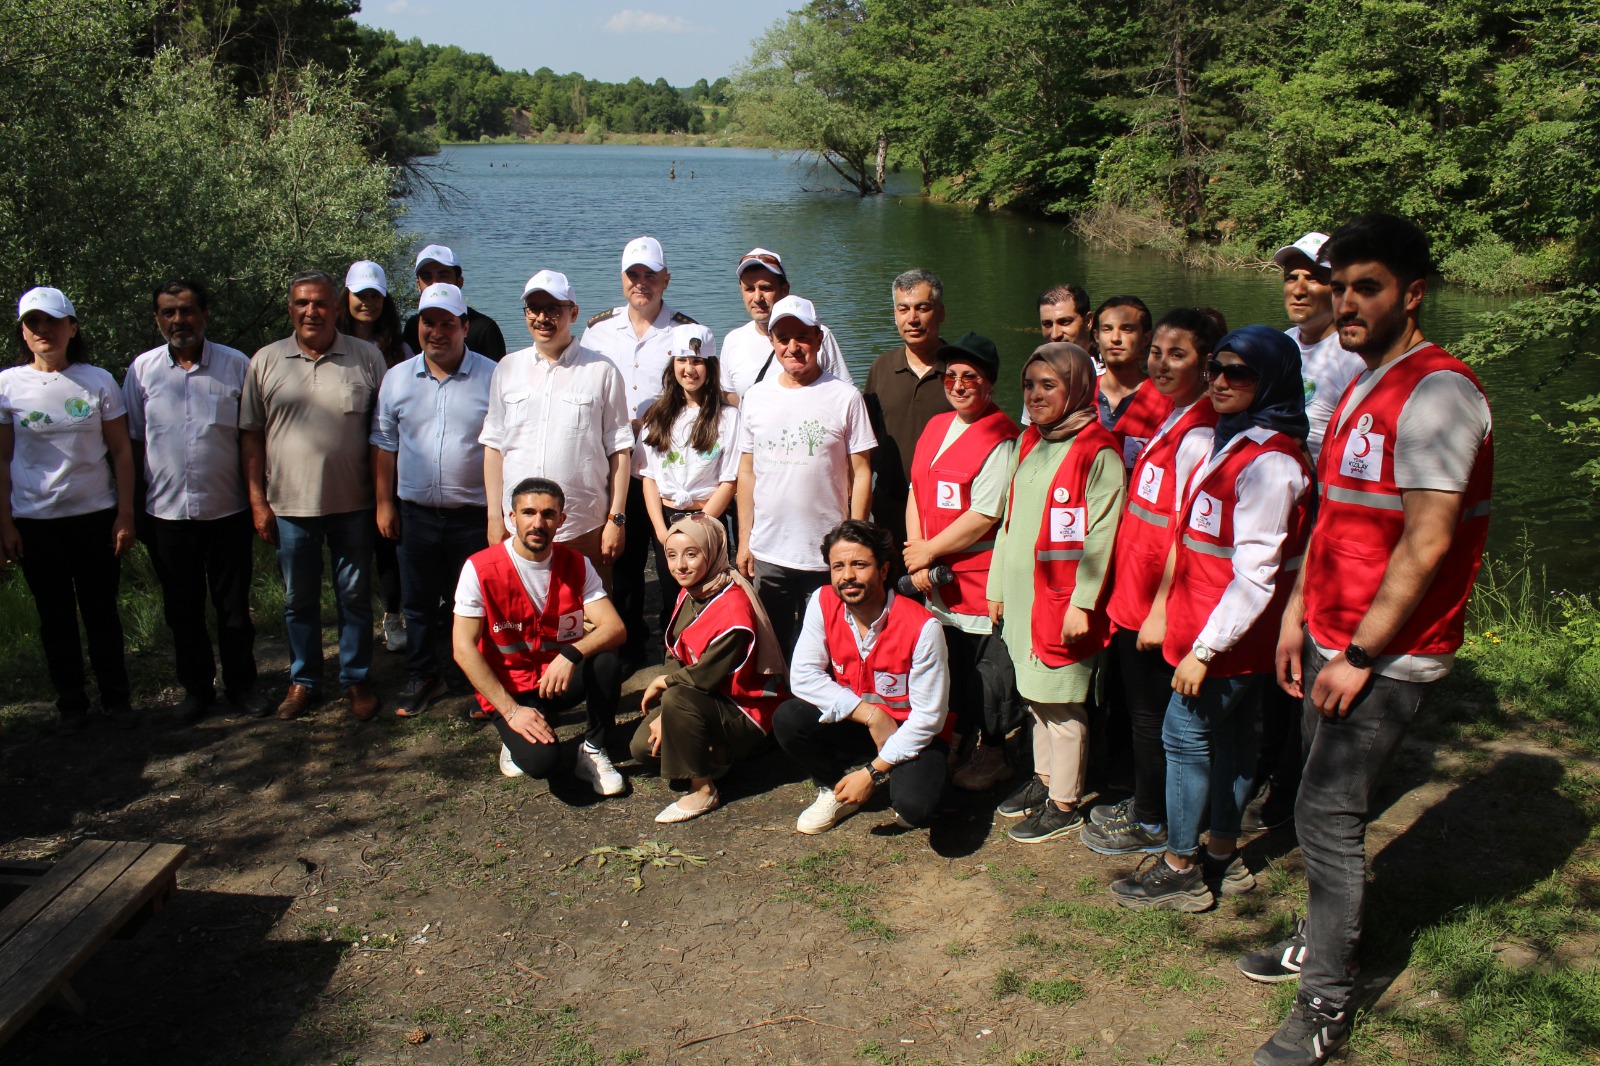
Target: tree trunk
<point>883,156</point>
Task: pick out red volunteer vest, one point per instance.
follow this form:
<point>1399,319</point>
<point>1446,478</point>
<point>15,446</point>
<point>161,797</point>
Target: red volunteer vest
<point>1144,415</point>
<point>943,491</point>
<point>1059,548</point>
<point>729,611</point>
<point>1361,518</point>
<point>518,641</point>
<point>886,671</point>
<point>1145,535</point>
<point>1204,565</point>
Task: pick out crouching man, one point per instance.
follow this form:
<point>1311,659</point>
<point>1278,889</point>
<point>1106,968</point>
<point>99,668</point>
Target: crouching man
<point>870,680</point>
<point>535,633</point>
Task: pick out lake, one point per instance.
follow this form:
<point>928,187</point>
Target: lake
<point>517,209</point>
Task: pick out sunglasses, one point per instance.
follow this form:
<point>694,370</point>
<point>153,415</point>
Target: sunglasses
<point>1236,374</point>
<point>967,378</point>
<point>546,310</point>
<point>770,260</point>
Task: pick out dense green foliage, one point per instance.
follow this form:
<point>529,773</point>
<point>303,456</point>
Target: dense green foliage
<point>123,167</point>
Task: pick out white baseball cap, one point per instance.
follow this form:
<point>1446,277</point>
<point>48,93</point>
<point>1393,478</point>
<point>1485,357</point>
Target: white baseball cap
<point>693,339</point>
<point>364,274</point>
<point>764,258</point>
<point>444,296</point>
<point>553,282</point>
<point>645,252</point>
<point>52,302</point>
<point>792,307</point>
<point>1309,247</point>
<point>439,254</point>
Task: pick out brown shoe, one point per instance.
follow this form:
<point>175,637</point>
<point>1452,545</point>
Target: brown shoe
<point>363,704</point>
<point>296,703</point>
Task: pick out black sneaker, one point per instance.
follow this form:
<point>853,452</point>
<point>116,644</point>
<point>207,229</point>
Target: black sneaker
<point>1279,963</point>
<point>1230,877</point>
<point>1113,813</point>
<point>1046,823</point>
<point>1122,838</point>
<point>1161,887</point>
<point>193,707</point>
<point>1272,808</point>
<point>1307,1036</point>
<point>251,702</point>
<point>1024,800</point>
<point>418,696</point>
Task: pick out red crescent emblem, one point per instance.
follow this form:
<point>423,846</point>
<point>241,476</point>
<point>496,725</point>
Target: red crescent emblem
<point>1364,449</point>
<point>1149,475</point>
<point>947,492</point>
<point>1205,508</point>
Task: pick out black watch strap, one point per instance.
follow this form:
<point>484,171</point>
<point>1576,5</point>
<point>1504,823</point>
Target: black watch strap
<point>879,777</point>
<point>1357,657</point>
<point>570,652</point>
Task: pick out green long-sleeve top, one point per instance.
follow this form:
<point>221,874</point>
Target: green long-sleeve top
<point>721,659</point>
<point>1011,571</point>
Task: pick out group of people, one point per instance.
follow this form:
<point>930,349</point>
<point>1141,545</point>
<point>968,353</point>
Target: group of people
<point>1247,552</point>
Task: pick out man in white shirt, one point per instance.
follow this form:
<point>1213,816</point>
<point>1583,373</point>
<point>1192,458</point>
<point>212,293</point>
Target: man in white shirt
<point>1325,366</point>
<point>870,679</point>
<point>805,445</point>
<point>183,416</point>
<point>556,411</point>
<point>637,338</point>
<point>747,351</point>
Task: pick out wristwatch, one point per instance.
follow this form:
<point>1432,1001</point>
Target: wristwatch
<point>1357,657</point>
<point>1203,653</point>
<point>879,777</point>
<point>619,519</point>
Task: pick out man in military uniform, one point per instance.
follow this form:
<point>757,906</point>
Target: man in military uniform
<point>637,338</point>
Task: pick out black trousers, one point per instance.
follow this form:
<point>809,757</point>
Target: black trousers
<point>1145,688</point>
<point>982,685</point>
<point>435,543</point>
<point>627,576</point>
<point>827,750</point>
<point>784,592</point>
<point>386,568</point>
<point>598,684</point>
<point>193,558</point>
<point>69,568</point>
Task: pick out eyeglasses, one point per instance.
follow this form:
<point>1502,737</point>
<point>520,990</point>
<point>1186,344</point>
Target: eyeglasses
<point>546,310</point>
<point>1236,374</point>
<point>967,378</point>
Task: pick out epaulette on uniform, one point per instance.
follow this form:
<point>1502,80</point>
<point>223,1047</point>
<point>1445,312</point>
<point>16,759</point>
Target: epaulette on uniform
<point>682,319</point>
<point>603,315</point>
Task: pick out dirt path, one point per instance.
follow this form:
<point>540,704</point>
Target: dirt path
<point>352,885</point>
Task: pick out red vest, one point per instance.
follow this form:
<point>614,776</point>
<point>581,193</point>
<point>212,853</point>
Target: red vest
<point>886,671</point>
<point>943,491</point>
<point>1204,566</point>
<point>1140,420</point>
<point>1059,548</point>
<point>1361,518</point>
<point>519,641</point>
<point>1145,535</point>
<point>729,611</point>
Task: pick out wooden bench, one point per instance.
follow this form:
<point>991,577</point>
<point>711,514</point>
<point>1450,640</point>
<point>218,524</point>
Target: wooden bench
<point>55,916</point>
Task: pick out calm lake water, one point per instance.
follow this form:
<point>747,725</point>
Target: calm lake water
<point>522,208</point>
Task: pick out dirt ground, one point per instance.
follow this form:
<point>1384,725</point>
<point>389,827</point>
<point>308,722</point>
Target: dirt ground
<point>378,893</point>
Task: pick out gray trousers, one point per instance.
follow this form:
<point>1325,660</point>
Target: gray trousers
<point>1345,760</point>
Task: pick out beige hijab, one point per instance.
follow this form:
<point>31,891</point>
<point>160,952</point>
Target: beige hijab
<point>708,535</point>
<point>1076,371</point>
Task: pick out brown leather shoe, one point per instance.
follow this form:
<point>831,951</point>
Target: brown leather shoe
<point>296,703</point>
<point>363,704</point>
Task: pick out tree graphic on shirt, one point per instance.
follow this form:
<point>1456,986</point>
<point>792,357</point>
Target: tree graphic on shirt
<point>811,431</point>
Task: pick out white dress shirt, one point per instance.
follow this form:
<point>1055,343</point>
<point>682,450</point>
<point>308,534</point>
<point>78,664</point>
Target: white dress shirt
<point>811,680</point>
<point>559,419</point>
<point>746,350</point>
<point>640,360</point>
<point>188,419</point>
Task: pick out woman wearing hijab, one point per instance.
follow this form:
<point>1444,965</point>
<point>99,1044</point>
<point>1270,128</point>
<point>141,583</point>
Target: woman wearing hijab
<point>1047,579</point>
<point>717,706</point>
<point>1241,529</point>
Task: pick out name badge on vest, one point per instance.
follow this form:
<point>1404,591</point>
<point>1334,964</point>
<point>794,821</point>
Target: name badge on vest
<point>1363,452</point>
<point>1149,487</point>
<point>1206,515</point>
<point>949,496</point>
<point>569,627</point>
<point>890,686</point>
<point>1066,524</point>
<point>1131,447</point>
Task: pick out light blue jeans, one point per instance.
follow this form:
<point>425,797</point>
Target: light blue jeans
<point>1211,741</point>
<point>349,538</point>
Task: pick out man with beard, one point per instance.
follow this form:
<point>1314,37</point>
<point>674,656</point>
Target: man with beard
<point>746,352</point>
<point>1406,471</point>
<point>870,679</point>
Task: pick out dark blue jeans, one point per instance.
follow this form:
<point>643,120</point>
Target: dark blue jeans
<point>435,544</point>
<point>349,538</point>
<point>1211,744</point>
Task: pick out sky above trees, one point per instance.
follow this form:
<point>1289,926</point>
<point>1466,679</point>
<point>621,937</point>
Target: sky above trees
<point>678,40</point>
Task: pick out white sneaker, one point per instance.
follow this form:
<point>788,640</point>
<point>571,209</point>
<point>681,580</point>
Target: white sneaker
<point>508,765</point>
<point>394,632</point>
<point>825,813</point>
<point>594,766</point>
<point>986,768</point>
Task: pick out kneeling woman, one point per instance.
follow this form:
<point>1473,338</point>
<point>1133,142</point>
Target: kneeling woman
<point>717,706</point>
<point>1242,527</point>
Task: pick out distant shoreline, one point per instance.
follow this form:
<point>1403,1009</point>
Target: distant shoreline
<point>672,140</point>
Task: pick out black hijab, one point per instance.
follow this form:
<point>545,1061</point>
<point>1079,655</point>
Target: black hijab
<point>1280,400</point>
